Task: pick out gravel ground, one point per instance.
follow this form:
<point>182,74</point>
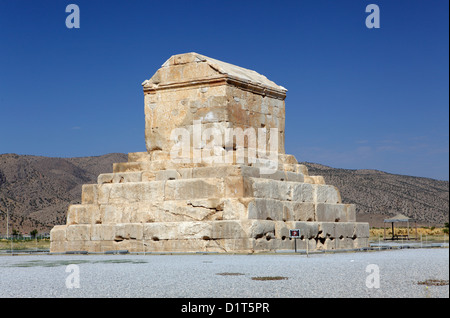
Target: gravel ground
<point>193,276</point>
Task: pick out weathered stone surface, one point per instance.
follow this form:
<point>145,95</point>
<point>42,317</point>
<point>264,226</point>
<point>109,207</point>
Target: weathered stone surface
<point>193,189</point>
<point>89,194</point>
<point>58,233</point>
<point>131,192</point>
<point>83,214</point>
<point>298,211</point>
<point>120,177</point>
<point>78,232</point>
<point>326,212</point>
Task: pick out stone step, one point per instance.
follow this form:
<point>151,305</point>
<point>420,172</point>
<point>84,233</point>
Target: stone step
<point>158,165</point>
<point>219,229</point>
<point>221,171</point>
<point>196,236</point>
<point>233,186</point>
<point>209,209</point>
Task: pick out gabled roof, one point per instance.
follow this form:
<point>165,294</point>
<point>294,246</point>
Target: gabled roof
<point>224,69</point>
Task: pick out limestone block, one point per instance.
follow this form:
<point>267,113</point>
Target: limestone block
<point>307,229</point>
<point>228,229</point>
<point>78,232</point>
<point>190,210</point>
<point>184,189</point>
<point>271,189</point>
<point>195,230</point>
<point>361,230</point>
<point>106,232</point>
<point>160,155</point>
<point>331,212</point>
<point>142,212</point>
<point>210,203</point>
<point>281,230</point>
<point>327,229</point>
<point>239,245</point>
<point>265,209</point>
<point>132,246</point>
<point>251,172</point>
<point>119,177</point>
<point>258,228</point>
<point>327,194</point>
<point>131,166</point>
<point>360,242</point>
<point>128,231</point>
<point>294,176</point>
<point>83,214</point>
<point>308,179</point>
<point>286,158</point>
<point>288,244</point>
<point>58,233</point>
<point>185,173</point>
<point>236,209</point>
<point>298,211</point>
<point>303,192</point>
<point>176,230</point>
<point>218,171</point>
<point>170,174</point>
<point>96,232</point>
<point>277,175</point>
<point>265,244</point>
<point>110,214</point>
<point>74,245</point>
<point>89,194</point>
<point>93,246</point>
<point>131,192</point>
<point>212,114</point>
<point>138,156</point>
<point>148,176</point>
<point>108,245</point>
<point>234,187</point>
<point>183,245</point>
<point>351,212</point>
<point>344,229</point>
<point>344,243</point>
<point>329,243</point>
<point>57,246</point>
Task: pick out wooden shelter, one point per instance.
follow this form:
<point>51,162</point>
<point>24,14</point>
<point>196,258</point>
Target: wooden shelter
<point>396,219</point>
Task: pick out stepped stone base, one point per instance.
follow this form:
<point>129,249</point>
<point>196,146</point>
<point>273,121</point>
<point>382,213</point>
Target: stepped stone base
<point>225,208</point>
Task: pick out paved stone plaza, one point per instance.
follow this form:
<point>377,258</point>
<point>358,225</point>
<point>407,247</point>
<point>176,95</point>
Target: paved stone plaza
<point>229,276</point>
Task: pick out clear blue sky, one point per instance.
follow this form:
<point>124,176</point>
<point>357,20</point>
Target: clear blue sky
<point>357,98</point>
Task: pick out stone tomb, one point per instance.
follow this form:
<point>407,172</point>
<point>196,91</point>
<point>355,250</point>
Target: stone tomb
<point>217,202</point>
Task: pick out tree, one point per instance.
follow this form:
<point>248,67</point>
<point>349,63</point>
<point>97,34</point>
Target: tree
<point>34,233</point>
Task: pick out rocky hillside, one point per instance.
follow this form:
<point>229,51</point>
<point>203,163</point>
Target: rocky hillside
<point>38,190</point>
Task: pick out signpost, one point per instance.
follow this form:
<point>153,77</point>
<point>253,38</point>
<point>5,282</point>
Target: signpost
<point>295,234</point>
